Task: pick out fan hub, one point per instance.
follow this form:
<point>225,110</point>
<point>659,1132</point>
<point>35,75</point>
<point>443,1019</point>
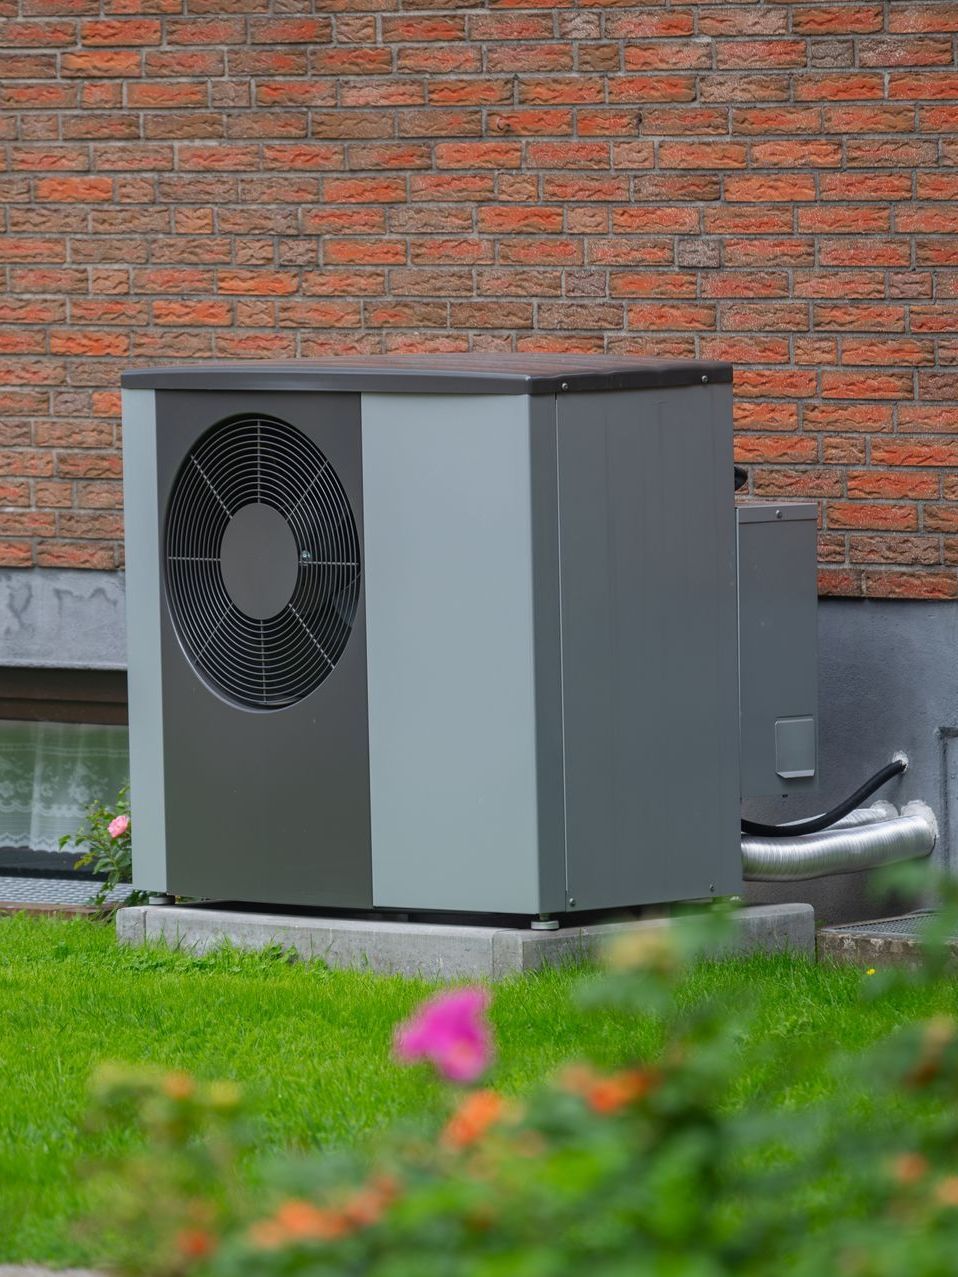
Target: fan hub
<point>259,560</point>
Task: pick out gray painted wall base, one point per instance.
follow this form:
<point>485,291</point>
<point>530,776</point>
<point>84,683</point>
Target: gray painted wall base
<point>435,950</point>
<point>62,618</point>
<point>887,680</point>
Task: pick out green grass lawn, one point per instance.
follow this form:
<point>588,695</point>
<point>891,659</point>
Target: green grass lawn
<point>312,1046</point>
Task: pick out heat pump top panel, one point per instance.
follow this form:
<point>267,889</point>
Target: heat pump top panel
<point>437,375</point>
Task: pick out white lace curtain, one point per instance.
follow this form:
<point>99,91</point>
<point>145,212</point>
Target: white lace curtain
<point>50,773</point>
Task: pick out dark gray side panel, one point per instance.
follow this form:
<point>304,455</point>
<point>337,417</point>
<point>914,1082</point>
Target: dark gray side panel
<point>547,652</point>
<point>650,685</point>
<point>778,647</point>
<point>267,806</point>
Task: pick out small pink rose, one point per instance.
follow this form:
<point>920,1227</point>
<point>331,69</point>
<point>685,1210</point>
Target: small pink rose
<point>452,1031</point>
<point>118,826</point>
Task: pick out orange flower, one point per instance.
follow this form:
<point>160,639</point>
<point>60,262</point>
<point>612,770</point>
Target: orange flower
<point>195,1243</point>
<point>304,1221</point>
<point>178,1086</point>
<point>297,1220</point>
<point>473,1118</point>
<point>610,1094</point>
<point>908,1168</point>
<point>607,1093</point>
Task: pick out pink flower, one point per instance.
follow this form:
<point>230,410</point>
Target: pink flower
<point>118,826</point>
<point>450,1030</point>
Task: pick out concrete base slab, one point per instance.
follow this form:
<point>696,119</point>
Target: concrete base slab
<point>435,950</point>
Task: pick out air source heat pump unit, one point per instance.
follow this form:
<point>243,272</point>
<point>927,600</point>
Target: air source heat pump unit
<point>445,633</point>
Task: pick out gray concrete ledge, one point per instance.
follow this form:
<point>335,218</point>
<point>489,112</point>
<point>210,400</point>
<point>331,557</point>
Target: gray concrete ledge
<point>435,950</point>
<point>62,618</point>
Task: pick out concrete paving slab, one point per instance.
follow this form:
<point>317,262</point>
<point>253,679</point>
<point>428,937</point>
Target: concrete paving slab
<point>435,950</point>
<point>881,942</point>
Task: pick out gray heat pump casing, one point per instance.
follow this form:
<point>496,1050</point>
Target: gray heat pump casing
<point>778,646</point>
<point>537,707</point>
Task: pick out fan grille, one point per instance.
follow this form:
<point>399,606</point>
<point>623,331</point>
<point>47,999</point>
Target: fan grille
<point>277,660</point>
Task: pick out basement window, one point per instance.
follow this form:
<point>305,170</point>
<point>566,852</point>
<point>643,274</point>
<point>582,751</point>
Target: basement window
<point>49,775</point>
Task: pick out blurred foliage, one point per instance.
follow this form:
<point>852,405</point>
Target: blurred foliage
<point>650,1167</point>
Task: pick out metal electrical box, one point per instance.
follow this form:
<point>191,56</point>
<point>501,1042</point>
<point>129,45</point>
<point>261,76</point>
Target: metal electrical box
<point>778,647</point>
<point>435,633</point>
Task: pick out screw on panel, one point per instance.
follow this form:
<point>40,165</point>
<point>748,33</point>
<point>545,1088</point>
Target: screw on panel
<point>779,514</point>
<point>572,902</point>
<point>705,378</point>
<point>564,386</point>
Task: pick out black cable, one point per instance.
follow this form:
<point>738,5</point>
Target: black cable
<point>815,824</point>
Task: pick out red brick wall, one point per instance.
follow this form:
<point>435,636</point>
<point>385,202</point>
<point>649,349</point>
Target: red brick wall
<point>772,183</point>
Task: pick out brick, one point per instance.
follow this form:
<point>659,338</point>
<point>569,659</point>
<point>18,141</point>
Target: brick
<point>770,187</point>
<point>70,189</point>
<point>530,123</point>
<point>707,155</point>
<point>868,385</point>
<point>668,55</point>
<point>892,485</point>
<point>70,554</point>
<point>264,283</point>
<point>749,87</point>
<point>869,119</point>
<point>841,88</point>
<point>101,62</point>
<point>912,550</point>
<point>860,318</point>
<point>903,585</point>
<point>917,17</point>
<point>761,54</point>
<point>914,452</point>
<point>884,352</point>
<point>886,516</point>
<point>120,31</point>
<point>775,448</point>
<point>837,19</point>
<point>290,30</point>
<point>678,316</point>
<point>797,481</point>
<point>729,20</point>
<point>841,416</point>
<point>650,88</point>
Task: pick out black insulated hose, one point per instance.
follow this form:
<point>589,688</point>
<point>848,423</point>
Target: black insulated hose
<point>815,824</point>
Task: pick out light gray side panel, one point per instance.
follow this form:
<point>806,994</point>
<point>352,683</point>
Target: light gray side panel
<point>144,671</point>
<point>452,715</point>
<point>650,686</point>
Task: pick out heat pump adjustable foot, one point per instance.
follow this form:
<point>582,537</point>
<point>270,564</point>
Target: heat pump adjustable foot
<point>544,923</point>
<point>161,898</point>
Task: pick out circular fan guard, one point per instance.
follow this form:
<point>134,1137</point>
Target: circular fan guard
<point>279,660</point>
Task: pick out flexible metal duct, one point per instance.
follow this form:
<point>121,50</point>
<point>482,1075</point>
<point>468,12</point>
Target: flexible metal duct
<point>863,840</point>
<point>871,815</point>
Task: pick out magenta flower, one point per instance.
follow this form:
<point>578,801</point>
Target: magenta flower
<point>118,826</point>
<point>451,1031</point>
